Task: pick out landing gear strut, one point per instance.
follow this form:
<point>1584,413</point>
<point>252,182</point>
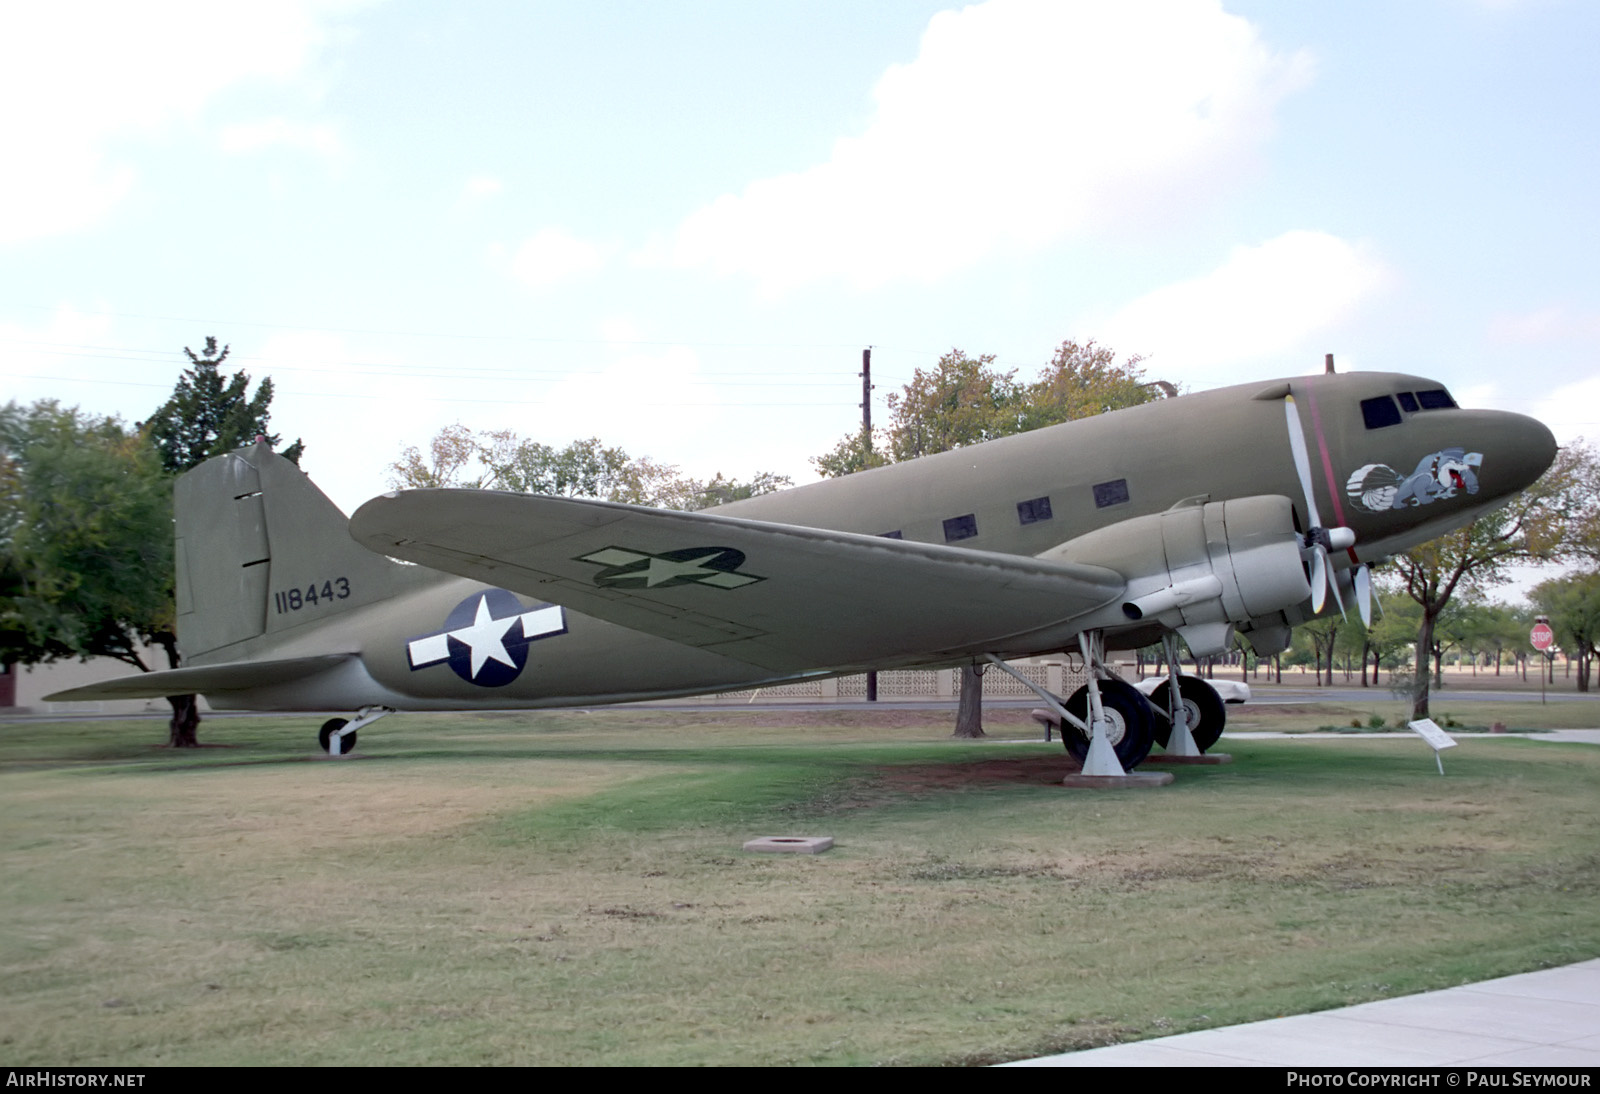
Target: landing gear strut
<point>337,737</point>
<point>1128,720</point>
<point>1206,714</point>
<point>1106,723</point>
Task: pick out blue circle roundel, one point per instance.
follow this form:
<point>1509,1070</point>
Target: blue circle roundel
<point>485,638</point>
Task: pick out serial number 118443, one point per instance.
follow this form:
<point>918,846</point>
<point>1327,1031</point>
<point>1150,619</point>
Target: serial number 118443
<point>293,600</point>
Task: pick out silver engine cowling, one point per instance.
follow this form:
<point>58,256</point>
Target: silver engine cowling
<point>1202,567</point>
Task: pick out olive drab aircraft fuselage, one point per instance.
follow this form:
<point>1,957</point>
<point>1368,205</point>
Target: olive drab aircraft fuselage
<point>1231,510</point>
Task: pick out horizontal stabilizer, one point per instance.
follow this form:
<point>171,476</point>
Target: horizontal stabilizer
<point>202,679</point>
<point>783,597</point>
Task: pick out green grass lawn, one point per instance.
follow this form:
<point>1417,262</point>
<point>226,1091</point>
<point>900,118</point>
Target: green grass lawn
<point>569,889</point>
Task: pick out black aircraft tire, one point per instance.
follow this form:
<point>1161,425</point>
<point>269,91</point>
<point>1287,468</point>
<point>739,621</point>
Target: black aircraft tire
<point>1207,713</point>
<point>1129,717</point>
<point>329,728</point>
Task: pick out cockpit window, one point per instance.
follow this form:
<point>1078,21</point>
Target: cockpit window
<point>1437,399</point>
<point>1380,412</point>
<point>1408,402</point>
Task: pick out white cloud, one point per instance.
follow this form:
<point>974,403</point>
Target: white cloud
<point>555,255</point>
<point>62,360</point>
<point>248,137</point>
<point>1019,121</point>
<point>1263,301</point>
<point>1571,411</point>
<point>1549,324</point>
<point>481,188</point>
<point>643,400</point>
<point>76,76</point>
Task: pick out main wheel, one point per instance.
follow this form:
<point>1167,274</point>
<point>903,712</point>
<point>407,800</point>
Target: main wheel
<point>325,735</point>
<point>1128,722</point>
<point>1207,714</point>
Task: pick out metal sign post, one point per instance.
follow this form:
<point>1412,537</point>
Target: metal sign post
<point>1542,638</point>
<point>1438,739</point>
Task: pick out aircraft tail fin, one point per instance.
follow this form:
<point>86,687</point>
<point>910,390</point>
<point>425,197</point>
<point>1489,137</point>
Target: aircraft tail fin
<point>261,550</point>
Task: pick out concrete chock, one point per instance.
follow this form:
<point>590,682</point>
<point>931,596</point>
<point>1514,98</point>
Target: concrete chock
<point>1130,781</point>
<point>793,845</point>
<point>1207,758</point>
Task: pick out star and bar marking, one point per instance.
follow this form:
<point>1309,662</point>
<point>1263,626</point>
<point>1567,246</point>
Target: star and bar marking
<point>625,568</point>
<point>485,638</point>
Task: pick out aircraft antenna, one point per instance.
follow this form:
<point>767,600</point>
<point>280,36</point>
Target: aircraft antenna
<point>1327,363</point>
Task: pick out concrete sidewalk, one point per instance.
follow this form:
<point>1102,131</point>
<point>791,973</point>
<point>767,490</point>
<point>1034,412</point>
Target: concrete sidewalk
<point>1537,1019</point>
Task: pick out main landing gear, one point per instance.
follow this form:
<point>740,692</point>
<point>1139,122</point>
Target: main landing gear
<point>1106,723</point>
<point>1110,727</point>
<point>337,737</point>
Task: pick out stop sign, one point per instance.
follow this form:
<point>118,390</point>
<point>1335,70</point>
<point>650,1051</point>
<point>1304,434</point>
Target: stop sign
<point>1541,636</point>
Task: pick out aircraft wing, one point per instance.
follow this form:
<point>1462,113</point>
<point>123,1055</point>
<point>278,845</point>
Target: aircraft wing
<point>782,597</point>
<point>230,676</point>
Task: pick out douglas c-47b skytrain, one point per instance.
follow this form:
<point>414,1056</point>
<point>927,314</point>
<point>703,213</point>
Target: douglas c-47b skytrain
<point>1244,509</point>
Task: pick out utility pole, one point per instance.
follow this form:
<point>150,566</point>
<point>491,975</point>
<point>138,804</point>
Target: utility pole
<point>866,397</point>
<point>866,441</point>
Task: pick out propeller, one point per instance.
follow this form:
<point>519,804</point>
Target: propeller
<point>1360,580</point>
<point>1319,541</point>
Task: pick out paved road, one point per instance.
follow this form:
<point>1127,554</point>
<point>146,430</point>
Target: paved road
<point>1537,1019</point>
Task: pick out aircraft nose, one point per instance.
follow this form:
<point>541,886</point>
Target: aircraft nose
<point>1516,450</point>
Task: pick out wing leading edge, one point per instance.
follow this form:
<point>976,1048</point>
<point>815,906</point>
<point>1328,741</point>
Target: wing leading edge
<point>782,597</point>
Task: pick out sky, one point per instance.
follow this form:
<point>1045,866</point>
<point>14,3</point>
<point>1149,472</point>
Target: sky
<point>676,225</point>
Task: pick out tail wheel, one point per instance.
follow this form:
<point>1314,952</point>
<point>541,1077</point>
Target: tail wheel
<point>329,728</point>
<point>1128,722</point>
<point>1207,714</point>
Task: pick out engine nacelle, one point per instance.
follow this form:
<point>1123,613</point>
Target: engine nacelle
<point>1200,568</point>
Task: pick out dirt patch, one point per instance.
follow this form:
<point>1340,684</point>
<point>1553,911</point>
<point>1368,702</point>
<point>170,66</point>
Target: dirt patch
<point>887,717</point>
<point>1032,770</point>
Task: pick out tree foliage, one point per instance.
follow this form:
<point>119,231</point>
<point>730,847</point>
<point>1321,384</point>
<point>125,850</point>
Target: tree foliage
<point>86,539</point>
<point>1553,520</point>
<point>209,414</point>
<point>587,468</point>
<point>966,400</point>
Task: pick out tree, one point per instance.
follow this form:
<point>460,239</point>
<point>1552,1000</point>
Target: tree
<point>86,540</point>
<point>450,455</point>
<point>208,415</point>
<point>721,491</point>
<point>853,453</point>
<point>588,468</point>
<point>1573,605</point>
<point>965,400</point>
<point>1553,520</point>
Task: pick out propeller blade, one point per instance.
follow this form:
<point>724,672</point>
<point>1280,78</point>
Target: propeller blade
<point>1362,579</point>
<point>1319,579</point>
<point>1302,460</point>
<point>1338,597</point>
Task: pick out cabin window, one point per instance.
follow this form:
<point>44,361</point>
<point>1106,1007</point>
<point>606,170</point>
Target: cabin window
<point>1437,399</point>
<point>1408,402</point>
<point>1033,510</point>
<point>1110,493</point>
<point>896,534</point>
<point>964,527</point>
<point>1380,412</point>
